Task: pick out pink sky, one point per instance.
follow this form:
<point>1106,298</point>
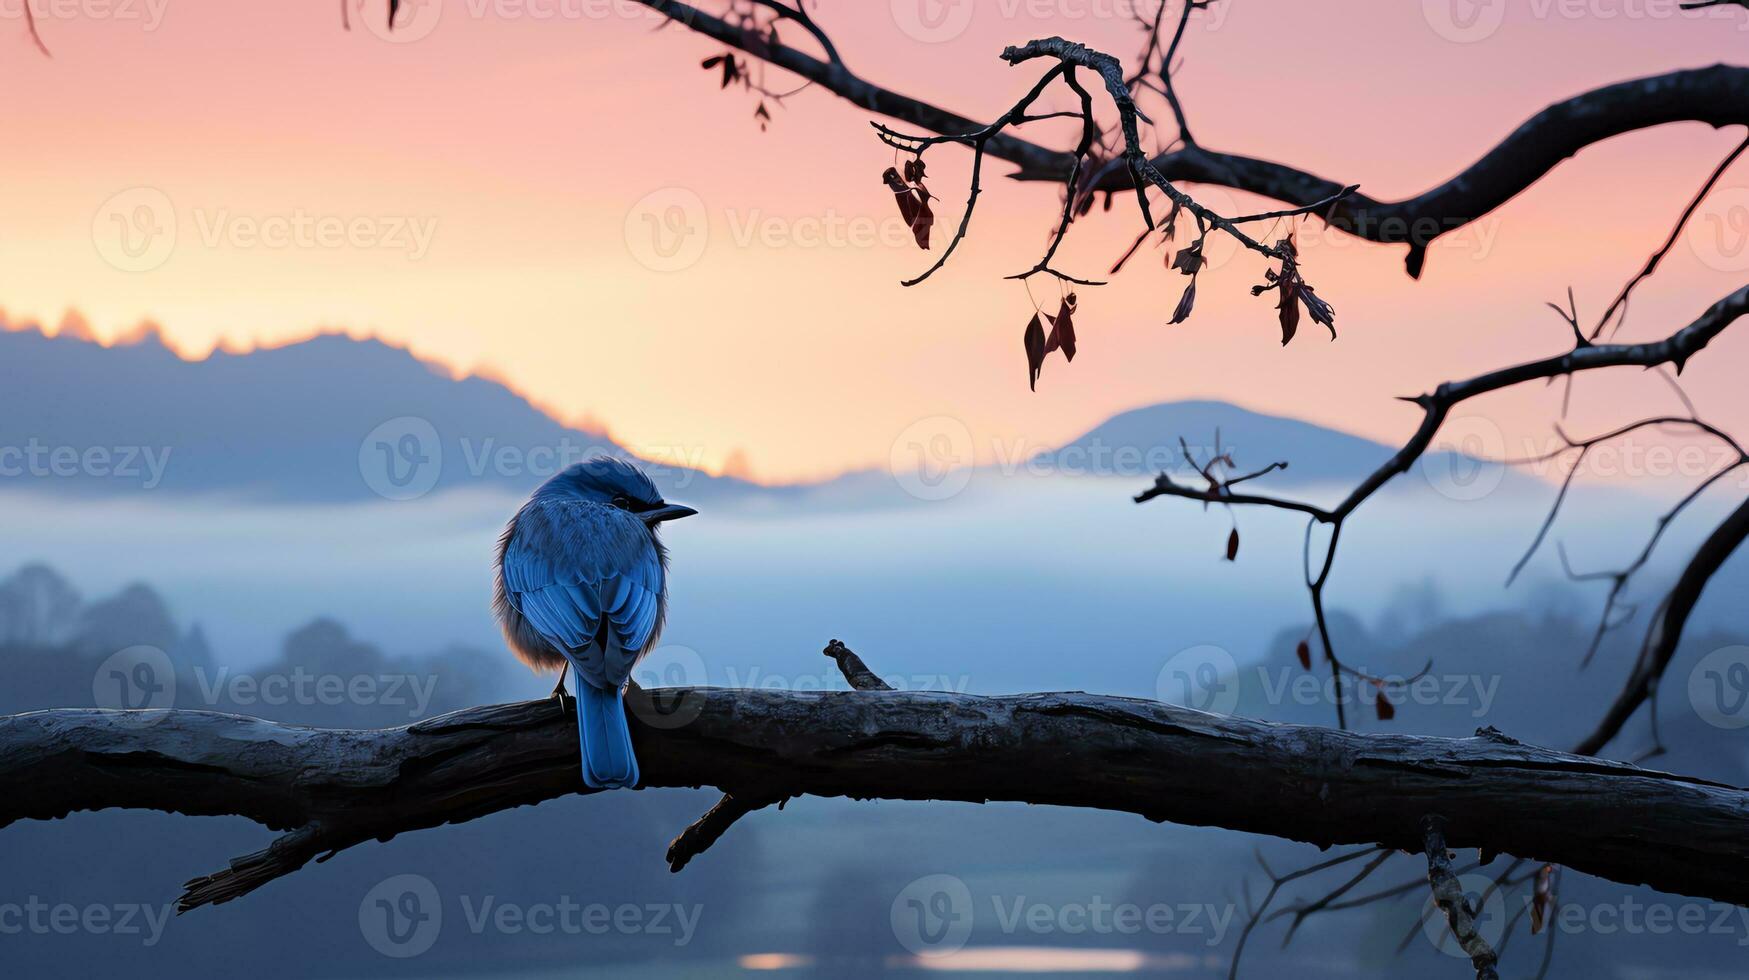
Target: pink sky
<point>485,186</point>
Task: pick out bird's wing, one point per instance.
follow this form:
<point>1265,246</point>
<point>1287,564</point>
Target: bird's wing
<point>588,578</point>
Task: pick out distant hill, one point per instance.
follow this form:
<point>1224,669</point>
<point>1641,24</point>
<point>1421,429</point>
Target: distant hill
<point>325,420</point>
<point>332,419</point>
<point>1314,453</point>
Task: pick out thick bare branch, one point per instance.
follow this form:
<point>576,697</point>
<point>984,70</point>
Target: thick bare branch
<point>1717,95</point>
<point>335,789</point>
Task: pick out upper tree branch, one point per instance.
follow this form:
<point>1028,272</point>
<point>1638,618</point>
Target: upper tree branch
<point>1717,96</point>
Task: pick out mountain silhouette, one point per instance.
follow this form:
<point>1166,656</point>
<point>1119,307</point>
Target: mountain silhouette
<point>334,419</point>
<point>1144,441</point>
<point>323,420</point>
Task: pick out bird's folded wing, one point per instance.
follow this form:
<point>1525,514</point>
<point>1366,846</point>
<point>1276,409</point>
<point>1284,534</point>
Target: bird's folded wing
<point>588,578</point>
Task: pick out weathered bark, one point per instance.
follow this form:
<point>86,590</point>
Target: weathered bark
<point>333,789</point>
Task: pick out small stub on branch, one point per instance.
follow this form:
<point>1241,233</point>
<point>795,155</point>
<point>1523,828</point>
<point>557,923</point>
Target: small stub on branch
<point>854,670</point>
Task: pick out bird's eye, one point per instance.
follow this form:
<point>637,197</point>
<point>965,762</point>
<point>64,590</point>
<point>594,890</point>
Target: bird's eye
<point>621,501</point>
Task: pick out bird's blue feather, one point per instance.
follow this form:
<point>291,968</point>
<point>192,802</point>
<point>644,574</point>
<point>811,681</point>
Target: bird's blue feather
<point>568,565</point>
<point>608,762</point>
<point>580,569</point>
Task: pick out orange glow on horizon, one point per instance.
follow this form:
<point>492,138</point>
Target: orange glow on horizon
<point>500,237</point>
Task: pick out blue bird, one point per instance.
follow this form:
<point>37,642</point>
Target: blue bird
<point>582,582</point>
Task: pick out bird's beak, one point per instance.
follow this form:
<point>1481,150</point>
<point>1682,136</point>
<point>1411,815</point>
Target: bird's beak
<point>666,512</point>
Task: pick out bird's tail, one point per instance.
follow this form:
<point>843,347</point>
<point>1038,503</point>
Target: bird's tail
<point>608,762</point>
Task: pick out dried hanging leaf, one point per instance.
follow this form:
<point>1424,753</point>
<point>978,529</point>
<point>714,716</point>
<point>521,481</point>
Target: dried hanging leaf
<point>394,8</point>
<point>1304,652</point>
<point>731,71</point>
<point>1290,312</point>
<point>915,171</point>
<point>903,194</point>
<point>1063,329</point>
<point>1543,898</point>
<point>913,201</point>
<point>762,115</point>
<point>1035,351</point>
<point>1189,259</point>
<point>1233,545</point>
<point>1386,710</point>
<point>922,222</point>
<point>1185,303</point>
<point>1294,291</point>
<point>1322,312</point>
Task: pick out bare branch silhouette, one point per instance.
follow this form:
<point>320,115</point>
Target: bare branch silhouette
<point>333,789</point>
